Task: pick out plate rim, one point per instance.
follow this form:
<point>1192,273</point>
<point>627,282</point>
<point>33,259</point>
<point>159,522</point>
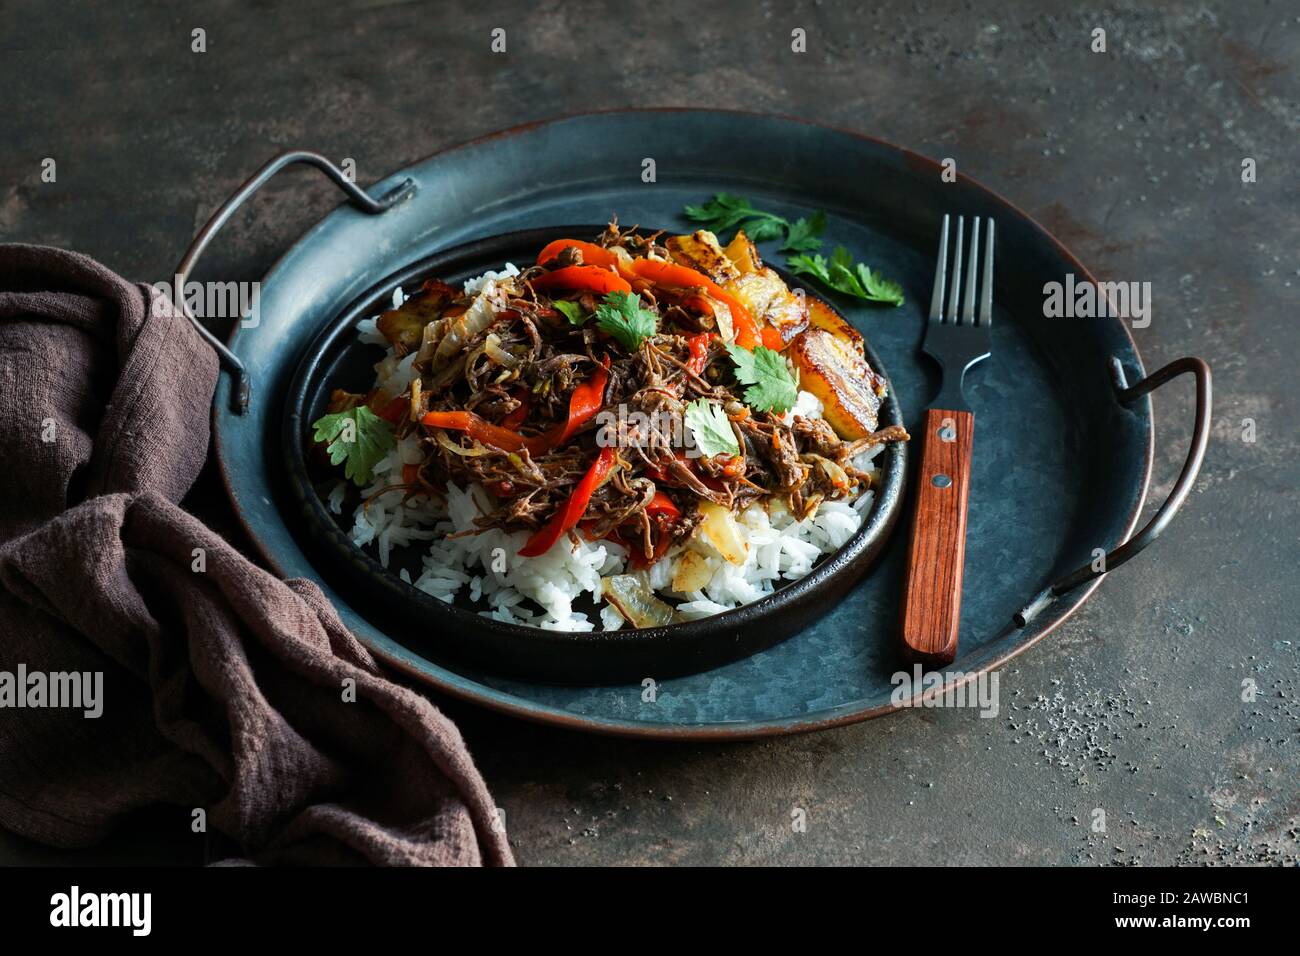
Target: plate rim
<point>472,691</point>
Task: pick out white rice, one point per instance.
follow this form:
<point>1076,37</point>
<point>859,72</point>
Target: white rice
<point>486,567</point>
<point>477,285</point>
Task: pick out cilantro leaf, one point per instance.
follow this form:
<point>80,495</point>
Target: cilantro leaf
<point>879,289</point>
<point>621,315</point>
<point>802,238</point>
<point>725,211</point>
<point>720,212</point>
<point>843,275</point>
<point>805,265</point>
<point>708,423</point>
<point>804,234</point>
<point>572,311</point>
<point>761,230</point>
<point>771,386</point>
<point>357,436</point>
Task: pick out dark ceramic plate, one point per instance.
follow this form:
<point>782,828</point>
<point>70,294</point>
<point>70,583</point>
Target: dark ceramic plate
<point>1060,467</point>
<point>336,359</point>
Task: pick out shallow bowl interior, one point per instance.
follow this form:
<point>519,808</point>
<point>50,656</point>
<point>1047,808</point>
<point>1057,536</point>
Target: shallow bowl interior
<point>337,359</point>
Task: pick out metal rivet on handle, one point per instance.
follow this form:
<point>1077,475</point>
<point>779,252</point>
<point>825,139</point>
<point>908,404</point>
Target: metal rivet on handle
<point>941,481</point>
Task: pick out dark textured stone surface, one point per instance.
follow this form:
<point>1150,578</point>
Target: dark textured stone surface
<point>1132,156</point>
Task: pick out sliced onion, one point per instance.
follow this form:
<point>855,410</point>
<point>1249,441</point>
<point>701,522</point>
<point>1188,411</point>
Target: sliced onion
<point>497,354</point>
<point>477,451</point>
<point>472,357</point>
<point>719,528</point>
<point>722,316</point>
<point>465,327</point>
<point>632,596</point>
<point>692,572</point>
<point>429,340</point>
<point>624,258</point>
<point>417,384</point>
<point>836,475</point>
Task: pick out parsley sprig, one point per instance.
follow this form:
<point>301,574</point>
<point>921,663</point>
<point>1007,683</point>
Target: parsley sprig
<point>800,238</point>
<point>842,274</point>
<point>725,211</point>
<point>771,386</point>
<point>357,436</point>
<point>804,235</point>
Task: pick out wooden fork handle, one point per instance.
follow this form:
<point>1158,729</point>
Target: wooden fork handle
<point>931,608</point>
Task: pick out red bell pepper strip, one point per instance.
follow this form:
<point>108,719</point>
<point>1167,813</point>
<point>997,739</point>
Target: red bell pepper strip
<point>485,432</point>
<point>592,254</point>
<point>664,542</point>
<point>659,475</point>
<point>699,349</point>
<point>594,278</point>
<point>395,410</point>
<point>572,511</point>
<point>772,339</point>
<point>516,418</point>
<point>669,273</point>
<point>585,402</point>
<point>734,466</point>
<point>663,511</point>
<point>661,504</point>
<point>697,303</point>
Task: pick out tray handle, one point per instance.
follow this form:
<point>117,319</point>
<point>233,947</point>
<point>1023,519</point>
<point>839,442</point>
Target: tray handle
<point>240,393</point>
<point>1126,395</point>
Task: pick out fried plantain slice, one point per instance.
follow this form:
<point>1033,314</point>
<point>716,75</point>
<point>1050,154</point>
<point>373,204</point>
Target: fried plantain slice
<point>833,368</point>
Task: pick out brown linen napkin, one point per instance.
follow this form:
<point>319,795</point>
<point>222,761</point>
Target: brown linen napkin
<point>223,688</point>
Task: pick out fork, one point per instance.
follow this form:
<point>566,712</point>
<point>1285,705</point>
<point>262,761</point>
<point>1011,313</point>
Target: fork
<point>957,339</point>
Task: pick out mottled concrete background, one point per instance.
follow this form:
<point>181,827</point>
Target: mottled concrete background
<point>1133,156</point>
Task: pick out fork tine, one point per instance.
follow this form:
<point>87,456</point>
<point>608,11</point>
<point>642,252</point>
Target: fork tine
<point>986,298</point>
<point>940,275</point>
<point>972,274</point>
<point>955,290</point>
